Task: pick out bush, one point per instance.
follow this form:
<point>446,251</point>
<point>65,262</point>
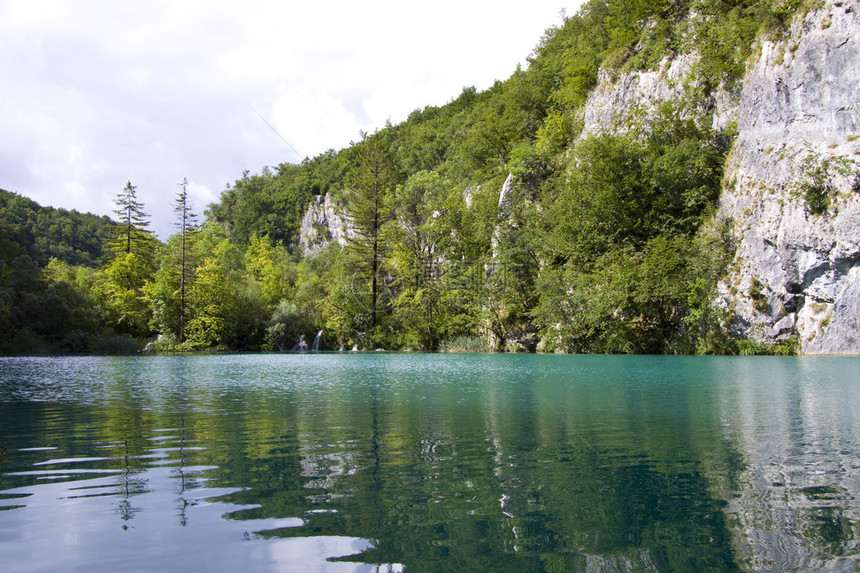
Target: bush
<point>76,342</point>
<point>115,345</point>
<point>164,343</point>
<point>753,348</point>
<point>287,325</point>
<point>464,344</point>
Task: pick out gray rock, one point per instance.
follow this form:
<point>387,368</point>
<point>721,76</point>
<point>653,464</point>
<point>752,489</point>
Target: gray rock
<point>505,195</point>
<point>324,221</point>
<point>616,100</point>
<point>799,106</point>
<point>783,328</point>
<point>795,273</point>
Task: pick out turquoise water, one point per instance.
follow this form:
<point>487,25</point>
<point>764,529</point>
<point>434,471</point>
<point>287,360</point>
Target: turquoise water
<point>414,462</point>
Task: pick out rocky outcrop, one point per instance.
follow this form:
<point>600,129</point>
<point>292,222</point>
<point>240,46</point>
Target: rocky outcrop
<point>791,188</point>
<point>505,196</point>
<point>323,222</point>
<point>796,273</point>
<point>618,100</point>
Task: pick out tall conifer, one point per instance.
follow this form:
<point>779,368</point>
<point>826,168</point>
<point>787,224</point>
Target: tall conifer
<point>132,233</point>
<point>374,178</point>
<point>186,224</point>
<point>124,278</point>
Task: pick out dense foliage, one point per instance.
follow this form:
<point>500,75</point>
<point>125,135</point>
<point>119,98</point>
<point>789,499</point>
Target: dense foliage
<point>598,243</point>
<point>41,305</point>
<point>45,233</point>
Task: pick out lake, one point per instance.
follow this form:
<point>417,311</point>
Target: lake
<point>419,462</point>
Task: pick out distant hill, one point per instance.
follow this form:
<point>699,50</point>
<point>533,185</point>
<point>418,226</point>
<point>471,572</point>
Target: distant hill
<point>46,232</point>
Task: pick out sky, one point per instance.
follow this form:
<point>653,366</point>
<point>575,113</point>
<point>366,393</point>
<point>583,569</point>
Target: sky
<point>96,94</point>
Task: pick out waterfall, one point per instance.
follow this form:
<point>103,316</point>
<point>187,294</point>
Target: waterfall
<point>316,345</point>
<point>301,345</point>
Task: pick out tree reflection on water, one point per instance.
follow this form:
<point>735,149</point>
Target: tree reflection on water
<point>431,462</point>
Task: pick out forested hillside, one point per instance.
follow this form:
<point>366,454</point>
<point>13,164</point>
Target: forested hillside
<point>494,222</point>
<point>38,311</point>
<point>44,233</point>
<point>601,242</point>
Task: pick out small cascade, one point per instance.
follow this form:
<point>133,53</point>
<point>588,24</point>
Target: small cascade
<point>301,345</point>
<point>316,345</point>
<point>358,337</point>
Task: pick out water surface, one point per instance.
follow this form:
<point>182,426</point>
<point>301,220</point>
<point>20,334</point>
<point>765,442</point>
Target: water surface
<point>411,462</point>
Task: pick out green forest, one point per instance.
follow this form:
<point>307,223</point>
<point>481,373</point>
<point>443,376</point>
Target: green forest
<point>606,243</point>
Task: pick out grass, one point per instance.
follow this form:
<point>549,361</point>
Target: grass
<point>464,344</point>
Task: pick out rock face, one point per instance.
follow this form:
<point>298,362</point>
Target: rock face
<point>796,267</point>
<point>614,101</point>
<point>323,222</point>
<point>505,196</point>
<point>796,272</point>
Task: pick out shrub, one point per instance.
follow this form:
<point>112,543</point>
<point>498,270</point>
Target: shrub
<point>115,345</point>
<point>464,344</point>
<point>76,342</point>
<point>753,348</point>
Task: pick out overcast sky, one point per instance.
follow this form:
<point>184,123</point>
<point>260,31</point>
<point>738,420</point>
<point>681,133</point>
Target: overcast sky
<point>98,93</point>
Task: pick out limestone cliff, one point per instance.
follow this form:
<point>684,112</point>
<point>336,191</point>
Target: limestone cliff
<point>323,222</point>
<point>796,271</point>
<point>796,267</point>
<point>616,99</point>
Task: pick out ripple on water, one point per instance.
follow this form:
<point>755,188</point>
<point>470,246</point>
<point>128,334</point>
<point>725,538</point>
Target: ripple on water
<point>318,462</point>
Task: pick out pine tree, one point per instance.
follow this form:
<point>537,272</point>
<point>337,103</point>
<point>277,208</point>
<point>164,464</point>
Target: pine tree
<point>132,233</point>
<point>374,178</point>
<point>186,225</point>
<point>122,281</point>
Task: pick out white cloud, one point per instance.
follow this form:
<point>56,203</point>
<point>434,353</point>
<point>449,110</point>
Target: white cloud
<point>200,195</point>
<point>97,93</point>
<point>294,117</point>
